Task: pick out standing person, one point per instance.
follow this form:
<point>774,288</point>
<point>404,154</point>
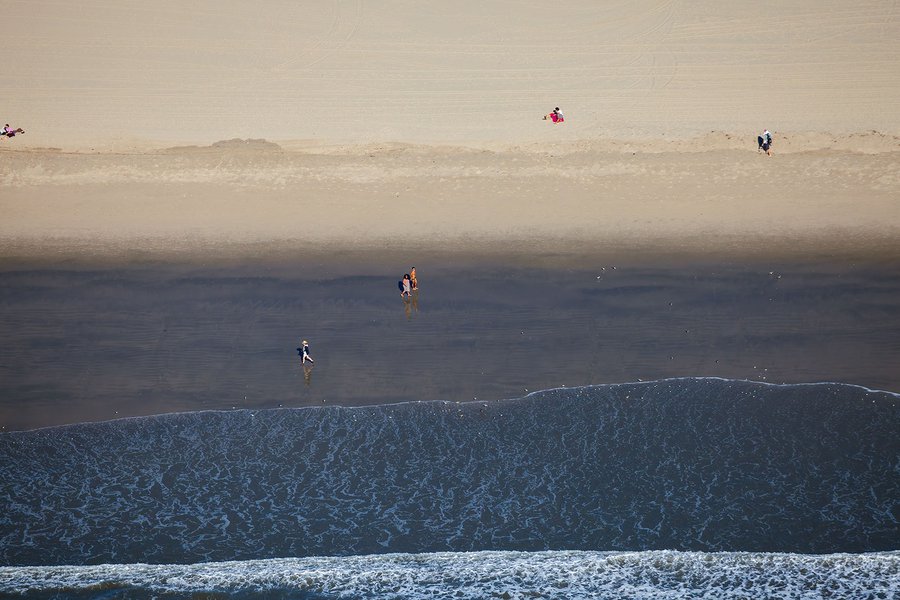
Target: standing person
<point>406,286</point>
<point>304,353</point>
<point>767,142</point>
<point>414,283</point>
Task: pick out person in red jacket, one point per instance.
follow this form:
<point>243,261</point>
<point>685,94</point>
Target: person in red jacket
<point>556,116</point>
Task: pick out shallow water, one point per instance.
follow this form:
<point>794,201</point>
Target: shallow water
<point>684,464</point>
<point>82,345</point>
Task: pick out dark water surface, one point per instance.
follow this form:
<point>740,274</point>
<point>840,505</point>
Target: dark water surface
<point>685,464</point>
<point>81,344</point>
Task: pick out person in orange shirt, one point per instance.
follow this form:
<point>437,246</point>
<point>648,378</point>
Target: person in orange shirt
<point>412,279</point>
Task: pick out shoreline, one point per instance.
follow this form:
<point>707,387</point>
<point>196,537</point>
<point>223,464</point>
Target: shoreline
<point>85,343</point>
<point>438,401</point>
<point>179,279</point>
<point>821,248</point>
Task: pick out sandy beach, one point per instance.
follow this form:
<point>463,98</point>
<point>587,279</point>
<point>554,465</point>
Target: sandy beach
<point>253,198</point>
<point>645,356</point>
<point>138,75</point>
<point>355,139</point>
<point>163,128</point>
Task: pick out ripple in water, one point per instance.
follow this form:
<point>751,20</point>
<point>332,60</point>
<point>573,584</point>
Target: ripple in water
<point>689,464</point>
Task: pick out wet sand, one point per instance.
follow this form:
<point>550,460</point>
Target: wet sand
<point>85,343</point>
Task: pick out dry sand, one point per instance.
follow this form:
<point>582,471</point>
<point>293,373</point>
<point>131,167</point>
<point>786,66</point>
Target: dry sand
<point>92,72</point>
<point>245,199</point>
<point>404,123</point>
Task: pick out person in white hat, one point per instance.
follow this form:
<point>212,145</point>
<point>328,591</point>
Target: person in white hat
<point>304,353</point>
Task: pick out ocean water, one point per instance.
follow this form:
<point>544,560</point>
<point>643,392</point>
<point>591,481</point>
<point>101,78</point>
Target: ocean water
<point>694,487</point>
<point>550,574</point>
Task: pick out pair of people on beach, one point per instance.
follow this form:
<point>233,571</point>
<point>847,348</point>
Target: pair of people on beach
<point>409,284</point>
<point>765,142</point>
<point>10,132</point>
<point>555,115</point>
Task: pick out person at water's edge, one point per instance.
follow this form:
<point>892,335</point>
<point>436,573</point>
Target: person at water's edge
<point>303,350</point>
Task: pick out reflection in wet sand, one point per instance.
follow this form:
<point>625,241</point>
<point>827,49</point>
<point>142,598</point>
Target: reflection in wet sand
<point>411,304</point>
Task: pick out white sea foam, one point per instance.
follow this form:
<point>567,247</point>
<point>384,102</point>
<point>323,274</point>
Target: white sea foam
<point>560,574</point>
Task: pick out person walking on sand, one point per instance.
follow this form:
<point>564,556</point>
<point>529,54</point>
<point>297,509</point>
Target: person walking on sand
<point>413,282</point>
<point>405,286</point>
<point>304,353</point>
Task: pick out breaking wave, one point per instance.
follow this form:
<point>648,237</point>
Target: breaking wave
<point>557,574</point>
